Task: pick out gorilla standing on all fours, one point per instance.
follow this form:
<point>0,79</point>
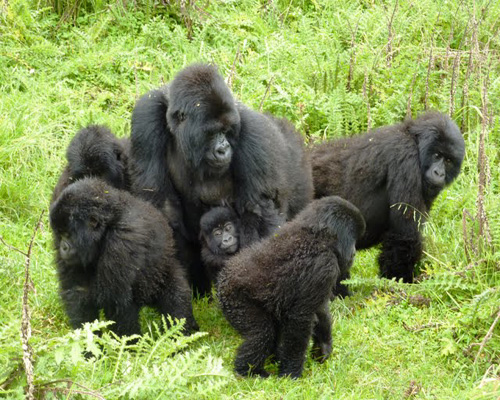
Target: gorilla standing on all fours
<point>392,175</point>
<point>95,151</point>
<point>195,148</point>
<point>276,292</point>
<point>116,252</point>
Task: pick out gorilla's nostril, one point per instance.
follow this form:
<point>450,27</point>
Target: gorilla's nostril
<point>437,172</point>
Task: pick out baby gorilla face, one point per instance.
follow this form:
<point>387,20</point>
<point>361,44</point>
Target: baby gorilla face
<point>220,231</point>
<point>225,239</point>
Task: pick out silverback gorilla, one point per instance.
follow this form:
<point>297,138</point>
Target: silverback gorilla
<point>392,175</point>
<point>276,292</point>
<point>194,147</point>
<point>116,252</point>
<point>95,151</point>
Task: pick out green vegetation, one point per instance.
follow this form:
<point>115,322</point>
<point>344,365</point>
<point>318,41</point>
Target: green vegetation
<point>334,68</point>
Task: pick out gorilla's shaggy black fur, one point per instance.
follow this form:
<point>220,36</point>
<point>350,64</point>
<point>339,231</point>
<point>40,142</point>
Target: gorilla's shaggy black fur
<point>393,175</point>
<point>194,146</point>
<point>220,238</point>
<point>96,152</point>
<point>275,293</point>
<point>116,252</point>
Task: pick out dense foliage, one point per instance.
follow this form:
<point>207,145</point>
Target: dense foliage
<point>334,68</point>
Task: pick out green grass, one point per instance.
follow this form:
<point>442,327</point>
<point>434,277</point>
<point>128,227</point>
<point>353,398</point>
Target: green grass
<point>59,72</point>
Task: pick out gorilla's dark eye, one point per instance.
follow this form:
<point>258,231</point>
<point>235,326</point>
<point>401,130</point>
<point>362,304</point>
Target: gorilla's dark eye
<point>228,227</point>
<point>217,232</point>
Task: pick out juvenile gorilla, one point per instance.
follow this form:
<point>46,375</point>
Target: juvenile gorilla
<point>95,151</point>
<point>276,292</point>
<point>220,238</point>
<point>116,252</point>
<point>194,146</point>
<point>392,175</point>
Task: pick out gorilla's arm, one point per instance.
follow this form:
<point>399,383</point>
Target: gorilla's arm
<point>148,148</point>
<point>402,243</point>
<point>114,283</point>
<point>260,199</point>
<point>79,306</point>
<point>77,297</point>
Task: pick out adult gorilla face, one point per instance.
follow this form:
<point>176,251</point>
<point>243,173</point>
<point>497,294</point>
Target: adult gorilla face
<point>203,119</point>
<point>441,152</point>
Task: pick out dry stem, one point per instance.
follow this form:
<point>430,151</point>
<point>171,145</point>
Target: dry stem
<point>488,336</point>
<point>26,318</point>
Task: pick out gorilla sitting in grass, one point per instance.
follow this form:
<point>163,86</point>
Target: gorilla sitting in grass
<point>116,252</point>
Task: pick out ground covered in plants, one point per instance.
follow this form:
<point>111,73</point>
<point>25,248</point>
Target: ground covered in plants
<point>334,68</point>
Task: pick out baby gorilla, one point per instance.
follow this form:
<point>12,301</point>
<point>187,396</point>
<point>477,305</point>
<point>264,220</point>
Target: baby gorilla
<point>276,292</point>
<point>95,151</point>
<point>116,252</point>
<point>219,235</point>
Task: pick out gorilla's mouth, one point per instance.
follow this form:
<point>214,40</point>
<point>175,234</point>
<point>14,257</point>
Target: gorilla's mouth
<point>434,183</point>
<point>218,160</point>
<point>231,249</point>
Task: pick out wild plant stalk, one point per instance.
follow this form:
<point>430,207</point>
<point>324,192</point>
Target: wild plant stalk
<point>468,238</point>
<point>352,61</point>
<point>488,336</point>
<point>233,67</point>
<point>26,317</point>
<point>456,70</point>
<point>429,68</point>
<point>482,218</point>
<point>410,96</point>
<point>268,88</point>
<point>366,95</point>
<point>390,36</point>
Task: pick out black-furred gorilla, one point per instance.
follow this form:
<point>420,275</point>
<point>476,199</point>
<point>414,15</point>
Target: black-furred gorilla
<point>116,252</point>
<point>197,148</point>
<point>220,238</point>
<point>96,152</point>
<point>392,175</point>
<point>276,292</point>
